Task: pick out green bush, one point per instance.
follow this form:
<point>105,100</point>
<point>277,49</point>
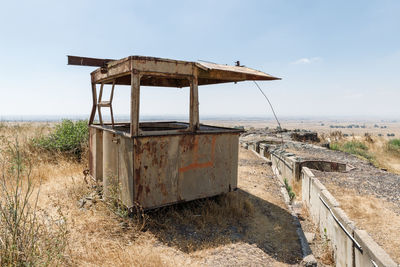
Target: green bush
<point>289,189</point>
<point>394,145</point>
<point>68,137</point>
<point>334,146</point>
<point>353,147</point>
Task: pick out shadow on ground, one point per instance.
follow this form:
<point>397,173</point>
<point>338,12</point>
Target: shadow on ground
<point>231,218</point>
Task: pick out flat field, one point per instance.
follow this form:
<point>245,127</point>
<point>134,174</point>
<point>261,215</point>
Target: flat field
<point>75,227</point>
<point>358,127</point>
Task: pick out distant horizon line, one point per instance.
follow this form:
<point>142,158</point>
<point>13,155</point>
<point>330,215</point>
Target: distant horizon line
<point>59,117</point>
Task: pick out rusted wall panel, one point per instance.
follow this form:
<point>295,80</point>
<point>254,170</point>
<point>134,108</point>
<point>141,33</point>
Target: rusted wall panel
<point>96,153</point>
<point>171,169</point>
<point>125,170</point>
<point>110,163</point>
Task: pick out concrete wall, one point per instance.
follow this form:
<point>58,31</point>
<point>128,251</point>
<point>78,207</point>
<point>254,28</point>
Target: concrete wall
<point>285,166</point>
<point>325,211</point>
<point>325,166</point>
<point>333,224</point>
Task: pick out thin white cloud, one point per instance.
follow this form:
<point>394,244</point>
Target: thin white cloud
<point>306,60</point>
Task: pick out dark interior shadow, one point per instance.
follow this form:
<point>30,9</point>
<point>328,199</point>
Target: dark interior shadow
<point>230,218</point>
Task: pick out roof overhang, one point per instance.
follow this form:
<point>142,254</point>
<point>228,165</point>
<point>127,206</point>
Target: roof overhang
<point>166,72</point>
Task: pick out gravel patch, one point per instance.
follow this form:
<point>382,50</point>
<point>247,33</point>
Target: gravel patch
<point>364,178</point>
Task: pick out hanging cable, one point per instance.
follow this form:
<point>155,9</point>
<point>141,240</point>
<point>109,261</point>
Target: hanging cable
<point>272,108</point>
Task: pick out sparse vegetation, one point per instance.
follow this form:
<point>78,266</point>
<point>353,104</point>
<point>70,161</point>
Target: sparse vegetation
<point>328,256</point>
<point>334,146</point>
<point>70,138</point>
<point>289,189</point>
<point>28,236</point>
<point>353,147</point>
<point>98,232</point>
<point>393,146</point>
<point>228,212</point>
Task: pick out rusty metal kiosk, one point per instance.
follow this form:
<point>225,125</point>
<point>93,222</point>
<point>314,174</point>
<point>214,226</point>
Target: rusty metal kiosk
<point>154,164</point>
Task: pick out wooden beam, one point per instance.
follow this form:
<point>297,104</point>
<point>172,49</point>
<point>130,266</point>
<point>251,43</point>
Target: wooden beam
<point>194,103</point>
<point>98,104</point>
<point>135,99</point>
<point>94,97</point>
<point>88,61</point>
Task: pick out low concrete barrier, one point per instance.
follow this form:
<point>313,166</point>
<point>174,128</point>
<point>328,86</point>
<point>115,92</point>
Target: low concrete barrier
<point>351,246</point>
<point>285,165</point>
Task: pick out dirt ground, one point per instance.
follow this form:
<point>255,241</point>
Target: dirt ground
<point>181,236</point>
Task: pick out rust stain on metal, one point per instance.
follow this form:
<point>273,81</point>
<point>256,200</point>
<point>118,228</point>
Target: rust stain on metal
<point>196,164</point>
<point>137,176</point>
<point>140,190</point>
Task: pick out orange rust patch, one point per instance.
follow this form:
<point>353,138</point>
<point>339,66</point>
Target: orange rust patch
<point>197,165</point>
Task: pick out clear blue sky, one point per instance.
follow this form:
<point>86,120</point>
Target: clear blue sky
<point>335,58</point>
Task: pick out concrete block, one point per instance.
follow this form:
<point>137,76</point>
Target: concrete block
<point>371,251</point>
<point>318,185</point>
<point>305,189</point>
<point>329,199</point>
<point>343,245</point>
<point>344,219</point>
<point>307,171</point>
<point>316,204</point>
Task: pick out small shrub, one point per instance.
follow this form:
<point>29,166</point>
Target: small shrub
<point>357,148</point>
<point>289,189</point>
<point>394,146</point>
<point>68,137</point>
<point>353,147</point>
<point>334,146</point>
<point>28,236</point>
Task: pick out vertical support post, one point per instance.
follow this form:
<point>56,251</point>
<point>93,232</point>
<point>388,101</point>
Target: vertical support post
<point>98,106</point>
<point>135,99</point>
<point>94,96</point>
<point>194,123</point>
<point>111,99</point>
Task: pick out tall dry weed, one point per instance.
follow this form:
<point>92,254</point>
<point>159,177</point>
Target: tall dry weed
<point>28,236</point>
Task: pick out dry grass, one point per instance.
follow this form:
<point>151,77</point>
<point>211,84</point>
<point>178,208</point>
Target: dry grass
<point>371,148</point>
<point>369,212</point>
<point>93,236</point>
<point>207,218</point>
<point>29,236</point>
<point>96,235</point>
